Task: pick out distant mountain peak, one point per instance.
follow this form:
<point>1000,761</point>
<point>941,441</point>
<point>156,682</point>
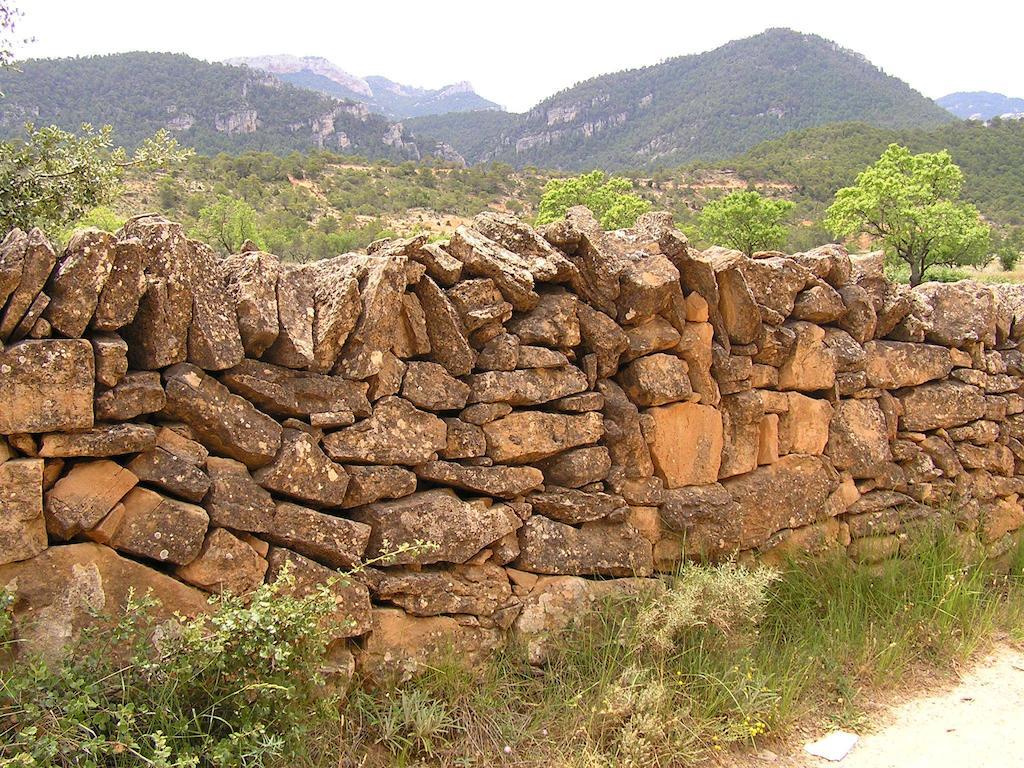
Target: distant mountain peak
<point>982,105</point>
<point>379,94</point>
<point>288,64</point>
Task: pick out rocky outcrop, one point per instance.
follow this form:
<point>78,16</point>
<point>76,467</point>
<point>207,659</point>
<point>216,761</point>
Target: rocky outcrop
<point>497,429</point>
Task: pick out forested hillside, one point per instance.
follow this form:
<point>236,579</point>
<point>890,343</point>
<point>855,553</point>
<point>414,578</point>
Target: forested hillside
<point>818,161</point>
<point>702,107</point>
<point>212,107</point>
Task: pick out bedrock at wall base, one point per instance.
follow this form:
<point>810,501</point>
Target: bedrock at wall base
<point>560,412</point>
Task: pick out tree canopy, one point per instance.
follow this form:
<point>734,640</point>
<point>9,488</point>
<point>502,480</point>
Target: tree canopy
<point>746,221</point>
<point>912,205</point>
<point>612,200</point>
<point>228,223</point>
<point>51,178</point>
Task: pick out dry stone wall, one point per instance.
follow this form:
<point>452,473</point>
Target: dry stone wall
<point>558,413</point>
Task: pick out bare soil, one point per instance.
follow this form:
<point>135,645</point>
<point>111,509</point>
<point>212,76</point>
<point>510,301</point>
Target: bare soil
<point>972,718</point>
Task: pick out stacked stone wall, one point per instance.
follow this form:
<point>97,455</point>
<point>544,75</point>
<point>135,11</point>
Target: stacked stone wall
<point>557,412</point>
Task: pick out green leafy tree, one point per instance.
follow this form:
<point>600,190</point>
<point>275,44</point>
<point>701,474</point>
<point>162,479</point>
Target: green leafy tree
<point>911,204</point>
<point>746,221</point>
<point>228,223</point>
<point>612,200</point>
<point>51,178</point>
<point>1008,247</point>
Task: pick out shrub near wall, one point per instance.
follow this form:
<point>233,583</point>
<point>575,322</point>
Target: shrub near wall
<point>555,412</point>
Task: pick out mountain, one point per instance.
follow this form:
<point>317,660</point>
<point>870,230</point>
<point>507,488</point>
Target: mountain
<point>982,105</point>
<point>709,105</point>
<point>378,93</point>
<point>212,107</point>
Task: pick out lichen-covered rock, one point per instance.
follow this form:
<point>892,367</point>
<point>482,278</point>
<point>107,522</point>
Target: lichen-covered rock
<point>74,287</point>
<point>137,393</point>
<point>552,323</point>
<point>111,358</point>
<point>225,422</point>
<point>857,440</point>
<point>235,500</point>
<point>896,364</point>
<point>351,616</point>
<point>367,484</point>
<point>251,280</point>
<point>939,405</point>
<point>36,263</point>
<point>435,526</point>
<point>742,414</point>
<point>526,436</point>
<point>656,380</point>
<point>483,257</point>
<point>84,496</point>
<point>225,563</point>
<point>285,393</point>
<point>804,425</point>
<point>569,505</point>
<point>67,588</point>
<point>396,433</point>
<point>448,343</point>
<point>429,386</point>
<point>596,549</point>
<point>960,313</point>
<point>474,590</point>
<point>577,467</point>
<point>147,524</point>
<point>331,540</point>
<point>22,527</point>
<point>810,364</point>
<point>46,386</point>
<point>623,435</point>
<point>787,494</point>
<point>293,345</point>
<point>532,386</point>
<point>302,471</point>
<point>602,336</point>
<point>171,473</point>
<point>100,441</point>
<point>501,482</point>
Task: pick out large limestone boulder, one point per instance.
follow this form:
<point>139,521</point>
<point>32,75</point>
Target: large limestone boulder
<point>499,481</point>
<point>526,436</point>
<point>293,345</point>
<point>68,588</point>
<point>46,386</point>
<point>896,364</point>
<point>251,281</point>
<point>552,323</point>
<point>285,393</point>
<point>687,443</point>
<point>532,386</point>
<point>148,524</point>
<point>453,530</point>
<point>787,494</point>
<point>84,496</point>
<point>396,433</point>
<point>226,423</point>
<point>235,500</point>
<point>940,405</point>
<point>473,590</point>
<point>737,307</point>
<point>595,549</point>
<point>75,285</point>
<point>810,365</point>
<point>857,440</point>
<point>960,313</point>
<point>482,257</point>
<point>22,527</point>
<point>225,563</point>
<point>302,471</point>
<point>742,414</point>
<point>331,540</point>
<point>445,330</point>
<point>656,380</point>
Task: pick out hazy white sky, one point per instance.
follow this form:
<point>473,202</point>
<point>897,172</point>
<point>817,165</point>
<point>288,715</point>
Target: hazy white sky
<point>516,52</point>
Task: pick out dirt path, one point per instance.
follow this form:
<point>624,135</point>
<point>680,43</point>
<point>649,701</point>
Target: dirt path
<point>976,723</point>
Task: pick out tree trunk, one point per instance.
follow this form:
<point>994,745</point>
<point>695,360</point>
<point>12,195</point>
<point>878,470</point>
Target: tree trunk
<point>916,272</point>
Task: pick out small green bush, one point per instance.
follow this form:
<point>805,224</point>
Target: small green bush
<point>239,686</point>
